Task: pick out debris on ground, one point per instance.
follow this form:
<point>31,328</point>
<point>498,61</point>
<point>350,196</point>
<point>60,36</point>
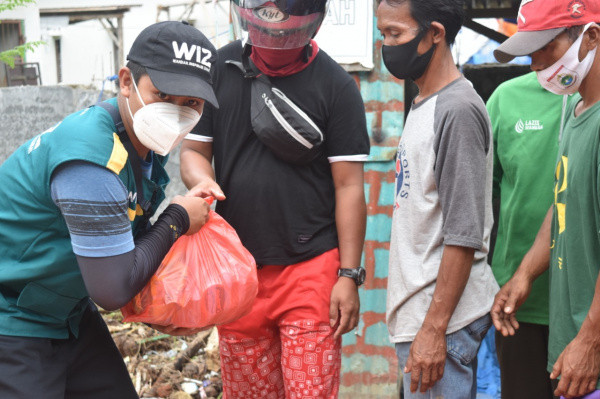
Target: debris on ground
<point>165,366</point>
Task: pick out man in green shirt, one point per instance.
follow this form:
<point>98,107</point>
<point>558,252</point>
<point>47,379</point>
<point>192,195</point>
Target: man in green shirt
<point>563,37</point>
<point>74,221</point>
<point>525,121</point>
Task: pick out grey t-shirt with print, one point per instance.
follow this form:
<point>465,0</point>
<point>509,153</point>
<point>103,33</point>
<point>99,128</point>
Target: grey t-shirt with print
<point>443,197</point>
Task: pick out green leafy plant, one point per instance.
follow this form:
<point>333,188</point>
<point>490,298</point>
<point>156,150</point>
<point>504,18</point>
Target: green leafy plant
<point>6,5</point>
<point>10,56</point>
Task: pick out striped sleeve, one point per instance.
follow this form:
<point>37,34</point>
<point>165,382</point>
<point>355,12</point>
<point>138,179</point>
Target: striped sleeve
<point>93,202</point>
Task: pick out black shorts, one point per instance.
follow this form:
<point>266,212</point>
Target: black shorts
<point>523,358</point>
<point>87,367</point>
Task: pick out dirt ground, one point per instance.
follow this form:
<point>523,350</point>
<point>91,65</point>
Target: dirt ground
<point>164,366</point>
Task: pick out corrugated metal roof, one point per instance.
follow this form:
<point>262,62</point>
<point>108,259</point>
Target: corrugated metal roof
<point>492,8</point>
<point>77,14</point>
<point>63,4</point>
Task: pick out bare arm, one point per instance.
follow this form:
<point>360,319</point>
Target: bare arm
<point>578,366</point>
<point>350,216</point>
<point>427,354</point>
<point>537,260</point>
<point>196,169</point>
<point>512,295</point>
<point>453,274</point>
<point>350,210</point>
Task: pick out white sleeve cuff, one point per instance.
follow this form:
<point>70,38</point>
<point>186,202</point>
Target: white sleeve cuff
<point>197,137</point>
<point>349,158</point>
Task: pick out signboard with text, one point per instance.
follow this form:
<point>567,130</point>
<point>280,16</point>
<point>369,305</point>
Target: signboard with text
<point>347,33</point>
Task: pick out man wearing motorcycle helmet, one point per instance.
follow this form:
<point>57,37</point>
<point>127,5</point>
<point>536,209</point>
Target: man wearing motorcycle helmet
<point>288,25</point>
<point>303,222</point>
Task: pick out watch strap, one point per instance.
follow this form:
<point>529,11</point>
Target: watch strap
<point>356,274</point>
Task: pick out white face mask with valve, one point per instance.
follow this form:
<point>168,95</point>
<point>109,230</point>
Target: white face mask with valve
<point>566,74</point>
<point>161,126</point>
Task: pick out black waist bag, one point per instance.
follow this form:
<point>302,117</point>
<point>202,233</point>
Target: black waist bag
<point>280,124</point>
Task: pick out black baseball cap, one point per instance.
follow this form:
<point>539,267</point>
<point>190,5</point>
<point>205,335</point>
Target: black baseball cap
<point>179,59</point>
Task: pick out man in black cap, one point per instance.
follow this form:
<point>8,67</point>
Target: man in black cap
<point>74,221</point>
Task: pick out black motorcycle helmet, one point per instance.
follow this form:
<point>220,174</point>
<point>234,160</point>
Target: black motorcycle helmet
<point>277,24</point>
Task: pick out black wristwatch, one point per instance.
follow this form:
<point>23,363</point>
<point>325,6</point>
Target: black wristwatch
<point>358,275</point>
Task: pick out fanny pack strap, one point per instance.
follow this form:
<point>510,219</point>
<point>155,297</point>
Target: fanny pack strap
<point>249,70</point>
<point>134,158</point>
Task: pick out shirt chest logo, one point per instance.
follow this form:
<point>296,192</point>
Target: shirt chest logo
<point>528,125</point>
<point>402,175</point>
<point>132,197</point>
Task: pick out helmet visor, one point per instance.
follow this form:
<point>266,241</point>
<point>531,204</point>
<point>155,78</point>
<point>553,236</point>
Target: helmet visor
<point>291,7</point>
<point>266,25</point>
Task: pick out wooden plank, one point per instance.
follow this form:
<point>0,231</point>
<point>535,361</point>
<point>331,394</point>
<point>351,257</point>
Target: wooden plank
<point>79,10</point>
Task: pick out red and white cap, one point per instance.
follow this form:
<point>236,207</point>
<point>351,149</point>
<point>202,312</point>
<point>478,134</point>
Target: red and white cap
<point>540,21</point>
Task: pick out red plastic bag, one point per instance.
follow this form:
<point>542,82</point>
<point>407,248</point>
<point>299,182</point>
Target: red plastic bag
<point>206,279</point>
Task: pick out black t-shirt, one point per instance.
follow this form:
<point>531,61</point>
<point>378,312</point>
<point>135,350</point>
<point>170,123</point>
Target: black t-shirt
<point>283,213</point>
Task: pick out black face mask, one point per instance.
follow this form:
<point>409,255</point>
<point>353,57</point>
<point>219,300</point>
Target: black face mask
<point>404,62</point>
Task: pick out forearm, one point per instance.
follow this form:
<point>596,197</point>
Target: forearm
<point>113,280</point>
<point>195,165</point>
<point>591,324</point>
<point>351,217</point>
<point>455,268</point>
<point>537,260</point>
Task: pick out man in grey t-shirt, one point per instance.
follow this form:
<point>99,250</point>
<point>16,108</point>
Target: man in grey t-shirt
<point>440,288</point>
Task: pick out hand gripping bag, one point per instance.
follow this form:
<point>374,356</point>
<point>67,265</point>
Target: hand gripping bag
<point>206,279</point>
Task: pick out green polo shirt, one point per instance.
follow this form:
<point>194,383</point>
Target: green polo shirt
<point>42,293</point>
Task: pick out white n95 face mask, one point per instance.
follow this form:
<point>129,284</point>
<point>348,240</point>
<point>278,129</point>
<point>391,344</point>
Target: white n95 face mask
<point>161,126</point>
<point>566,74</point>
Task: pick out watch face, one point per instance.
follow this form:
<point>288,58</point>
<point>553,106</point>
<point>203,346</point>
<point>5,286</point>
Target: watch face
<point>358,274</point>
<point>361,274</point>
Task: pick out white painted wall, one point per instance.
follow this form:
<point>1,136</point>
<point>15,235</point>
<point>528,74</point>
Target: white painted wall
<point>86,53</point>
<point>86,48</point>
